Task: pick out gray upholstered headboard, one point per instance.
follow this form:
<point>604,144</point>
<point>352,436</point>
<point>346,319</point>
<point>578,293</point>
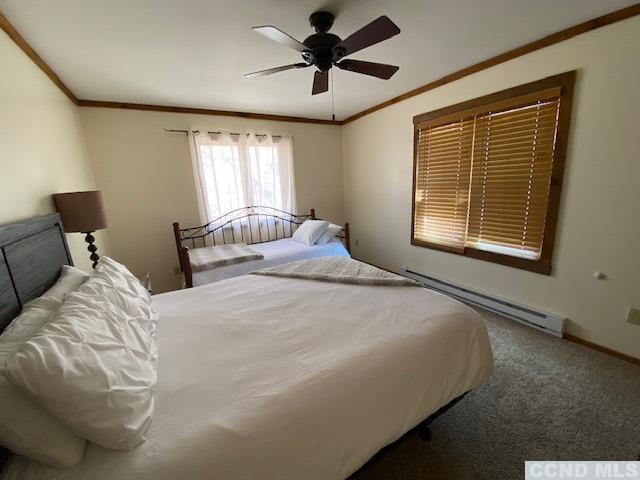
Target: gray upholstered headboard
<point>32,252</point>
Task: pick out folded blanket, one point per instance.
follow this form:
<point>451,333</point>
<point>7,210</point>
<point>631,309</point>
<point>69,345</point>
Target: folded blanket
<point>339,270</point>
<point>206,258</point>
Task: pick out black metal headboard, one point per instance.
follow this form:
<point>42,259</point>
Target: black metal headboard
<point>253,224</point>
<point>32,252</point>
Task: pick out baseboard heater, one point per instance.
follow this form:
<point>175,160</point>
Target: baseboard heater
<point>547,322</point>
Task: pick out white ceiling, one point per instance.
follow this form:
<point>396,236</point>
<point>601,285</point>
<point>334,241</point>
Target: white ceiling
<point>193,53</point>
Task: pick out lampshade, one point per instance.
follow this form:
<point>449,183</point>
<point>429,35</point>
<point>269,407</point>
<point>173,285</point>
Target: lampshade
<point>81,211</point>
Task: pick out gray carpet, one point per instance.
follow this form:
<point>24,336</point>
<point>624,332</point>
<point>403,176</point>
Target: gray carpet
<point>548,399</point>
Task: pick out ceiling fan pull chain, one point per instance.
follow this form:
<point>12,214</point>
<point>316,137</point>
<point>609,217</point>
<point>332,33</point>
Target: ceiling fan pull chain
<point>333,104</point>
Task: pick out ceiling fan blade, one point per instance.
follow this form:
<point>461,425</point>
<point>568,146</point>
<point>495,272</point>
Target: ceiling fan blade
<point>379,70</point>
<point>269,71</point>
<point>279,36</point>
<point>380,29</point>
<point>320,82</point>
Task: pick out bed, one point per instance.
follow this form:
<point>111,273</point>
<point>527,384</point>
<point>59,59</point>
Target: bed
<point>275,252</point>
<point>285,378</point>
<point>267,230</point>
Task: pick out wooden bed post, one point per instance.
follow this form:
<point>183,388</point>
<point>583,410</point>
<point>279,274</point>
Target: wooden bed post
<point>188,274</point>
<point>313,214</point>
<point>347,237</point>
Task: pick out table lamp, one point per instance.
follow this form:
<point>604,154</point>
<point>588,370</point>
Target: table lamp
<point>82,212</point>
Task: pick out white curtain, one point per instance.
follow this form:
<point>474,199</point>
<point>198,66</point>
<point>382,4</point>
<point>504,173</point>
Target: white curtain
<point>238,170</point>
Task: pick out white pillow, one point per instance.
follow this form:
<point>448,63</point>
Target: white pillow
<point>125,290</point>
<point>93,365</point>
<point>69,281</point>
<point>329,234</point>
<point>310,231</point>
<point>129,278</point>
<point>26,428</point>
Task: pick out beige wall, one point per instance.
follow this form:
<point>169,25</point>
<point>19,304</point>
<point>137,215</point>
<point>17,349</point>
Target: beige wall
<point>42,147</point>
<point>599,223</point>
<point>147,178</point>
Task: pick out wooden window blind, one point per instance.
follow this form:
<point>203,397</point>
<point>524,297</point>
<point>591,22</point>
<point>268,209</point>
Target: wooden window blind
<point>442,182</point>
<point>486,174</point>
<point>511,173</point>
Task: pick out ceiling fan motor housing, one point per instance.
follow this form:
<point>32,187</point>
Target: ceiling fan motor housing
<point>320,44</point>
<point>321,49</point>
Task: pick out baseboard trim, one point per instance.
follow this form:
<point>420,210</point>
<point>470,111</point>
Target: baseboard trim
<point>374,265</point>
<point>600,348</point>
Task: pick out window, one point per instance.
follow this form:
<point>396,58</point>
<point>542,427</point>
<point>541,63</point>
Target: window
<point>487,174</point>
<point>243,170</point>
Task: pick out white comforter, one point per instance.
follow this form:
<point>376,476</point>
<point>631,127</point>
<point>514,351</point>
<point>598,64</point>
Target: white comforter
<point>277,378</point>
<point>275,253</point>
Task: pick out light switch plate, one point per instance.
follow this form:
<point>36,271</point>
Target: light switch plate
<point>633,316</point>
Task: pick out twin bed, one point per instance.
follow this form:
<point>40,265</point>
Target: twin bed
<point>267,230</point>
<point>273,377</point>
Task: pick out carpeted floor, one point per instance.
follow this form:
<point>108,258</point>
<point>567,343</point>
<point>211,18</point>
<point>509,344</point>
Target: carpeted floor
<point>548,399</point>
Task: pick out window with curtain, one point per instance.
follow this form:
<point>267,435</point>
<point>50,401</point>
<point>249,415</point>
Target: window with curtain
<point>487,174</point>
<point>238,170</point>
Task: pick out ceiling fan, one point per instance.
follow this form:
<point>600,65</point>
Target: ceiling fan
<point>324,50</point>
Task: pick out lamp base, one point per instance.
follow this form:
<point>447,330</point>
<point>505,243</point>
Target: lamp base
<point>92,248</point>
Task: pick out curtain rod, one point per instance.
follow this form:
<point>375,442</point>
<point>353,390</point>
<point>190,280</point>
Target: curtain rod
<point>186,132</point>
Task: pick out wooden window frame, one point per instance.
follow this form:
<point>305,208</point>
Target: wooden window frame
<point>564,81</point>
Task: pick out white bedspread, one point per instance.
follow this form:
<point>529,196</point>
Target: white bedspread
<point>275,253</point>
<point>277,378</point>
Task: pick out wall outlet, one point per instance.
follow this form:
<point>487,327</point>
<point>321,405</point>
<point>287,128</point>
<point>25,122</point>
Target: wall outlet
<point>633,316</point>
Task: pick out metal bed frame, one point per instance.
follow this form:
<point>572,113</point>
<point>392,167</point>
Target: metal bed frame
<point>250,225</point>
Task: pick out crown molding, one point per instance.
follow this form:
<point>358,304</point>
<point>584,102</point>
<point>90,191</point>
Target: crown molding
<point>35,58</point>
<point>552,39</point>
<point>204,111</point>
<point>19,40</point>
